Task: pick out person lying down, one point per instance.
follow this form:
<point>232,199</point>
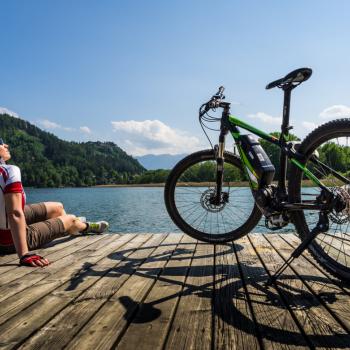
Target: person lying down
<point>26,227</point>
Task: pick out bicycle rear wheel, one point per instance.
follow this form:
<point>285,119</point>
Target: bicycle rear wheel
<point>332,248</point>
<point>188,192</point>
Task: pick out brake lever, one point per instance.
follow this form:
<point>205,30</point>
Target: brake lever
<point>220,94</point>
<point>214,102</point>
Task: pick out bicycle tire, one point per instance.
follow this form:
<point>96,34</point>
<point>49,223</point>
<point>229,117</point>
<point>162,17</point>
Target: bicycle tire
<point>334,129</point>
<point>170,201</point>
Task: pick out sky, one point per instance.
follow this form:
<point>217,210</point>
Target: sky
<point>135,72</point>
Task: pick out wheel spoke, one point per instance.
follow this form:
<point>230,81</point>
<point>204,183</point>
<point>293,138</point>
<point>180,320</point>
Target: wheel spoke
<point>332,247</point>
<point>194,197</point>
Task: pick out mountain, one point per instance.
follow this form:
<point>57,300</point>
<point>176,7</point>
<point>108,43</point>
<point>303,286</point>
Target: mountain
<point>47,161</point>
<point>161,161</point>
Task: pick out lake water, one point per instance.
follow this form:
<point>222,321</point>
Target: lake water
<point>135,209</point>
<point>126,209</point>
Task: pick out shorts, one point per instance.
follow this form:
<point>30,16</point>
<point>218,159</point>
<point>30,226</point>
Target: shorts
<point>40,229</point>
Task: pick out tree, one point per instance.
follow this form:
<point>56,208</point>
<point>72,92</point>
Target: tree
<point>273,151</point>
<point>45,160</point>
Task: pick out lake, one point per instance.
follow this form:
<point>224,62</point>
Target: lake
<point>127,209</point>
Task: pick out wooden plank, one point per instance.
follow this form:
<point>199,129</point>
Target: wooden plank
<point>8,258</point>
<point>294,241</point>
<point>105,279</point>
<point>192,325</point>
<point>117,298</point>
<point>157,310</point>
<point>234,323</point>
<point>68,275</point>
<point>57,273</point>
<point>13,263</point>
<point>335,247</point>
<point>18,328</point>
<point>8,273</point>
<point>275,323</point>
<point>321,329</point>
<point>30,276</point>
<point>57,244</point>
<point>110,322</point>
<point>334,298</point>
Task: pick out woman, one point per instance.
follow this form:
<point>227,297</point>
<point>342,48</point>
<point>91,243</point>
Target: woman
<point>27,227</point>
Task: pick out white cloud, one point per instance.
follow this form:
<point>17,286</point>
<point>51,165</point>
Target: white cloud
<point>266,118</point>
<point>309,125</point>
<point>336,111</point>
<point>153,136</point>
<point>49,125</point>
<point>4,110</point>
<point>85,129</point>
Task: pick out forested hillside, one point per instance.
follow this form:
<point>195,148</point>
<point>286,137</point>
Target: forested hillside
<point>47,161</point>
<point>334,154</point>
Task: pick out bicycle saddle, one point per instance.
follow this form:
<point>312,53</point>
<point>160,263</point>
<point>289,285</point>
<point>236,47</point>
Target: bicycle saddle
<point>293,78</point>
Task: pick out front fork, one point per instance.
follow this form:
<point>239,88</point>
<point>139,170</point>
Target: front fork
<point>219,154</point>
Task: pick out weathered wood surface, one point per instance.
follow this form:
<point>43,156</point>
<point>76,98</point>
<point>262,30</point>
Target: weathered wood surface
<point>168,291</point>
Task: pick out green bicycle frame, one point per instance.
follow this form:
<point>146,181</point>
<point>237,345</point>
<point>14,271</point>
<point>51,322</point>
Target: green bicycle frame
<point>230,123</point>
<point>281,143</point>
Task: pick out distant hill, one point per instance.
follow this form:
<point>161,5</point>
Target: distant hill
<point>47,161</point>
<point>161,161</point>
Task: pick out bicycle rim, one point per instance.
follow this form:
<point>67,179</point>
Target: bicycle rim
<point>331,248</point>
<point>189,191</point>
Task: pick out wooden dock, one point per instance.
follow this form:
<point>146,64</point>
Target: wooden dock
<point>168,291</point>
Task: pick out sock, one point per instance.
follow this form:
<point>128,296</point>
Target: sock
<point>86,228</point>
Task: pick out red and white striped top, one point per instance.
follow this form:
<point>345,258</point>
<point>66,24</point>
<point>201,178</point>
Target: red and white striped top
<point>10,182</point>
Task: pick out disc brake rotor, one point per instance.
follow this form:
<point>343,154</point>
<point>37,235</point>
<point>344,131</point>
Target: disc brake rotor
<point>343,216</point>
<point>207,198</point>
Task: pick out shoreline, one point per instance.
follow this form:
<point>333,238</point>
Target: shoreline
<point>128,185</point>
<point>306,183</point>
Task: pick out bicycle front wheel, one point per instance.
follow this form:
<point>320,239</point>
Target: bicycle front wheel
<point>188,195</point>
<point>332,142</point>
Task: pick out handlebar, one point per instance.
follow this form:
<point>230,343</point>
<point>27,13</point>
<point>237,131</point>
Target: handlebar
<point>213,103</point>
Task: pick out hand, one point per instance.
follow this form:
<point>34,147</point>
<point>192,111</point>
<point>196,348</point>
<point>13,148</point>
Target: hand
<point>33,260</point>
<point>40,262</point>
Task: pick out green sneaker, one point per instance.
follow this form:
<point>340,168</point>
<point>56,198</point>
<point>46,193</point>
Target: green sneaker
<point>97,227</point>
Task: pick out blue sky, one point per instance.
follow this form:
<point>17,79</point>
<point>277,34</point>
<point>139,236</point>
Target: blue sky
<point>135,72</point>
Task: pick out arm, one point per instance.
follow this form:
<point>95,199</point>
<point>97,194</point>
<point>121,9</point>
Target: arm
<point>13,203</point>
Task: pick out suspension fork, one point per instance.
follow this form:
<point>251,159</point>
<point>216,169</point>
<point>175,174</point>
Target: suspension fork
<point>220,160</point>
<point>220,150</point>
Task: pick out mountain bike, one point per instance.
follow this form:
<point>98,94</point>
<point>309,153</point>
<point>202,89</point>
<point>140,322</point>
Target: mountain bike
<point>217,196</point>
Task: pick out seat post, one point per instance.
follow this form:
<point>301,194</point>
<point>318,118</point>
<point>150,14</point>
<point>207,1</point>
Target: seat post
<point>284,132</point>
<point>286,108</point>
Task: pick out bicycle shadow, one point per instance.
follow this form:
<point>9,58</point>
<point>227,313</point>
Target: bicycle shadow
<point>225,293</point>
<point>224,301</point>
<point>132,265</point>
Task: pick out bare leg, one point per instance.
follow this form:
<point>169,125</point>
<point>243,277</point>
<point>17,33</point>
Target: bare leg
<point>54,209</point>
<point>72,224</point>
